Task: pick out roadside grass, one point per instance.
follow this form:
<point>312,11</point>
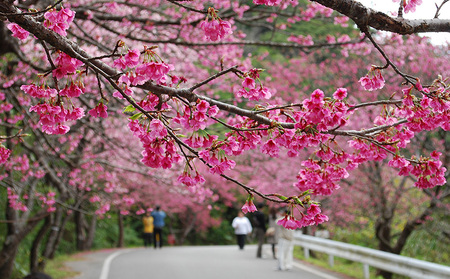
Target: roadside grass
<point>349,268</point>
<point>57,269</point>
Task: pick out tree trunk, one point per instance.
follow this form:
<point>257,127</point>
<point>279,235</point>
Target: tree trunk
<point>383,234</point>
<point>60,231</point>
<point>91,233</point>
<point>17,229</point>
<point>80,231</point>
<point>52,239</point>
<point>7,265</point>
<point>120,240</point>
<point>35,263</point>
<point>188,228</point>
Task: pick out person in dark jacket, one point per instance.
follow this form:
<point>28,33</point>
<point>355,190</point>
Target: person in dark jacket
<point>260,227</point>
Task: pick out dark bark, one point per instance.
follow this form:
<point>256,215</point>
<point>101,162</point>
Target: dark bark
<point>365,17</point>
<point>35,263</point>
<point>91,232</point>
<point>85,232</point>
<point>383,234</point>
<point>7,267</point>
<point>60,231</point>
<point>17,230</point>
<point>188,225</point>
<point>53,234</point>
<point>80,225</point>
<point>120,223</point>
<point>54,237</point>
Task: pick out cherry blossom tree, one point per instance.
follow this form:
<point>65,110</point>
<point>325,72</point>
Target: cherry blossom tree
<point>124,104</point>
<point>374,191</point>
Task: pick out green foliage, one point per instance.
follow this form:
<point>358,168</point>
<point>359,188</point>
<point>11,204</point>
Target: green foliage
<point>221,235</point>
<point>429,245</point>
<point>349,268</point>
<point>107,233</point>
<point>362,237</point>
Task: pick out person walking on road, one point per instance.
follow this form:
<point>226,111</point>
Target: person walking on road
<point>147,221</point>
<point>271,235</point>
<point>242,227</point>
<point>158,223</point>
<point>259,221</point>
<point>285,247</point>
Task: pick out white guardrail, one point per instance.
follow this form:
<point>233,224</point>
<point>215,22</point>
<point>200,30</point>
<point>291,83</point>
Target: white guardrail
<point>370,257</point>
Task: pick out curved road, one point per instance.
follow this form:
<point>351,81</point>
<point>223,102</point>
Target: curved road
<point>188,262</point>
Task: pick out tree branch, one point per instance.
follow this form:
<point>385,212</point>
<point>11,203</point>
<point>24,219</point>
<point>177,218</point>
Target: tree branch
<point>364,16</point>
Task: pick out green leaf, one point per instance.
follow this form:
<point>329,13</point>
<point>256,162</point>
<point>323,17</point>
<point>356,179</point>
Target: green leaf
<point>136,116</point>
<point>129,108</point>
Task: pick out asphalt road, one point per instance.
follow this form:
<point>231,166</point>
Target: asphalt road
<point>188,262</point>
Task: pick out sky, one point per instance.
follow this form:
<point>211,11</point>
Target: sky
<point>426,10</point>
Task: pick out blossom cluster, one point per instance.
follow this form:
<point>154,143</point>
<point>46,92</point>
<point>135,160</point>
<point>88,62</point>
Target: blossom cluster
<point>53,117</point>
<point>15,202</point>
<point>59,21</point>
<point>429,171</point>
<point>313,217</point>
<point>267,2</point>
<point>159,152</point>
<point>322,113</point>
<point>411,5</point>
<point>139,71</point>
<point>429,113</point>
<point>18,31</point>
<point>100,110</point>
<point>320,177</point>
<point>373,80</point>
<point>301,40</point>
<point>4,154</point>
<point>48,201</point>
<point>199,139</point>
<point>314,9</point>
<point>249,206</point>
<point>250,89</point>
<point>188,179</point>
<point>216,29</point>
<point>65,65</point>
<point>195,117</point>
<point>217,159</point>
<point>103,209</point>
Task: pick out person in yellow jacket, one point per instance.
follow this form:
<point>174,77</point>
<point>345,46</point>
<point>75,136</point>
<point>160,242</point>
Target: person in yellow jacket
<point>147,220</point>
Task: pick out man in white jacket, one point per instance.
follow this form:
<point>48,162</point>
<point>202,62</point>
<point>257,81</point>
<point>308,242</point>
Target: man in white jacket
<point>242,227</point>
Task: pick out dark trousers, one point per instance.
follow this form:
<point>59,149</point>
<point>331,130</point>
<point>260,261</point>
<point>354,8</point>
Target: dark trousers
<point>260,236</point>
<point>241,240</point>
<point>157,237</point>
<point>148,239</point>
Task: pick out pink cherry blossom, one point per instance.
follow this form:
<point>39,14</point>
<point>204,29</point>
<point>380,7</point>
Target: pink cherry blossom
<point>4,154</point>
<point>131,59</point>
<point>372,81</point>
<point>267,2</point>
<point>59,21</point>
<point>216,29</point>
<point>248,206</point>
<point>99,111</point>
<point>340,94</point>
<point>18,31</point>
